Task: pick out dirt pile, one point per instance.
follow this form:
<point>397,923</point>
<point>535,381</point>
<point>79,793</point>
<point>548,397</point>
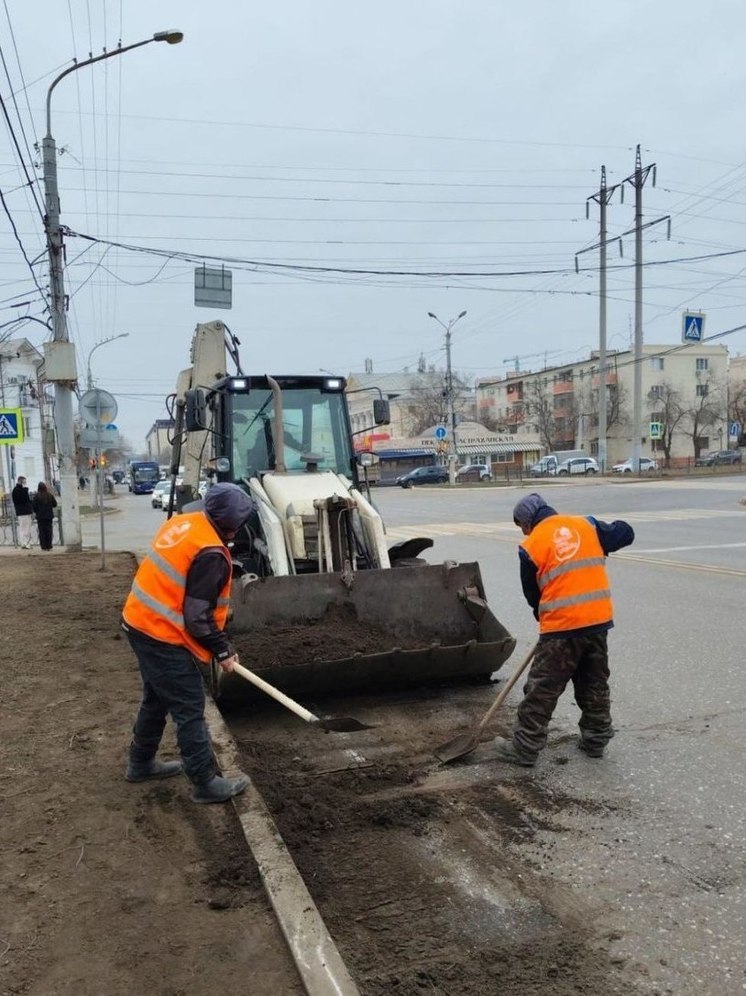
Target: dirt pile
<point>337,635</point>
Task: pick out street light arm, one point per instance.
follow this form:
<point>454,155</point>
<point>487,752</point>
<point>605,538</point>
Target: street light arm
<point>111,338</point>
<point>172,37</point>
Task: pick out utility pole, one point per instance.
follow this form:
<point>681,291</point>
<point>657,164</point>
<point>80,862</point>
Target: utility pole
<point>452,446</point>
<point>637,181</point>
<point>602,197</point>
<point>59,355</point>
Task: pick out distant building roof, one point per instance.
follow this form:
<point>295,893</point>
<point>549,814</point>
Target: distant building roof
<point>390,384</point>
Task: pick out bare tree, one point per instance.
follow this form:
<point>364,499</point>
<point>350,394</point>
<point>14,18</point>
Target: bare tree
<point>703,412</point>
<point>428,404</point>
<point>737,405</point>
<point>668,409</point>
<point>538,407</point>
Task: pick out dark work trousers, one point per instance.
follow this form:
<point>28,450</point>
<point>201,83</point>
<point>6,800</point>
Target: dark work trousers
<point>584,660</point>
<point>46,530</point>
<point>171,684</point>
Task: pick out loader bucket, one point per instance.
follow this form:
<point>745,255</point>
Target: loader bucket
<point>372,630</point>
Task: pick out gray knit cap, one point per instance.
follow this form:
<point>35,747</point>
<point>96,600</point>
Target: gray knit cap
<point>528,508</point>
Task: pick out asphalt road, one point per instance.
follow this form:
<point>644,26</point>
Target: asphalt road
<point>660,860</point>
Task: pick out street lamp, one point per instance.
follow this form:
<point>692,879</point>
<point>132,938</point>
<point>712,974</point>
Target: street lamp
<point>59,354</point>
<point>112,338</point>
<point>449,395</point>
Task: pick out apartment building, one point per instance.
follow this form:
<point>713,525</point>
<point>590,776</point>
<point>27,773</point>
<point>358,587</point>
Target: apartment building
<point>157,442</point>
<point>19,388</point>
<point>684,403</point>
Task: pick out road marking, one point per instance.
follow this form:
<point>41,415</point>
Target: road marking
<point>707,568</point>
<point>703,546</point>
<point>509,531</point>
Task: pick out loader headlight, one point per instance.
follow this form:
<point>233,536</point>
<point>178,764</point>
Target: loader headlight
<point>239,384</point>
<point>333,383</point>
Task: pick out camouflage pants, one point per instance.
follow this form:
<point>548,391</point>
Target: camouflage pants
<point>584,660</point>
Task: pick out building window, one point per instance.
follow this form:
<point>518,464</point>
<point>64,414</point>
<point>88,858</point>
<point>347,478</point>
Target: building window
<point>702,363</point>
<point>701,390</point>
<point>704,442</point>
<point>656,363</point>
<point>656,391</point>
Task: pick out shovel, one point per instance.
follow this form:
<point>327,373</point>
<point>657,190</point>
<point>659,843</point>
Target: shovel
<point>467,742</point>
<point>332,724</point>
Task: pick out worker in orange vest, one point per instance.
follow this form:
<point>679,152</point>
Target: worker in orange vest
<point>564,579</point>
<point>174,618</point>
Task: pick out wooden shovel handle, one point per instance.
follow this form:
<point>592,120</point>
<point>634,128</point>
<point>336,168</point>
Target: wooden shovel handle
<point>505,691</point>
<point>275,693</point>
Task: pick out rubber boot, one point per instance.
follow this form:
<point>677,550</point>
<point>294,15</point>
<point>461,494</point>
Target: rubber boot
<point>506,750</point>
<point>592,750</point>
<point>219,789</point>
<point>144,771</point>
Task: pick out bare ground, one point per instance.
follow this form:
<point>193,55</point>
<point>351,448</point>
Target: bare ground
<point>107,887</point>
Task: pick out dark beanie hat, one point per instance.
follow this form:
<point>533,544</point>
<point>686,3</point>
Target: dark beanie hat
<point>528,508</point>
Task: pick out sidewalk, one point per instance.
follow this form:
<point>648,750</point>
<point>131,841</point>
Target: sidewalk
<point>108,887</point>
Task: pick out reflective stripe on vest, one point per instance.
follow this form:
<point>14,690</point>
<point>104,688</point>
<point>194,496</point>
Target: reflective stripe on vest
<point>572,565</point>
<point>156,602</point>
<point>570,573</point>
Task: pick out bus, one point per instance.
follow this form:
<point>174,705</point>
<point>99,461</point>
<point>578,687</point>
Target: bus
<point>144,475</point>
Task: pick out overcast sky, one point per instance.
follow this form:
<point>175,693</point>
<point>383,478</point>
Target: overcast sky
<point>421,135</point>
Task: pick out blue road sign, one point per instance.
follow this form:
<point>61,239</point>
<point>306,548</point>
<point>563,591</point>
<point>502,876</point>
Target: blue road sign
<point>734,430</point>
<point>440,432</point>
<point>692,326</point>
<point>11,425</point>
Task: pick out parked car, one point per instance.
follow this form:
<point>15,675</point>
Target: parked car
<point>646,466</point>
<point>159,497</point>
<point>474,471</point>
<point>423,475</point>
<point>720,458</point>
<point>578,465</point>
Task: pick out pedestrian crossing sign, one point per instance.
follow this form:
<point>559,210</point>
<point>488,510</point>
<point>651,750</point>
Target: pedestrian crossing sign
<point>11,425</point>
<point>692,326</point>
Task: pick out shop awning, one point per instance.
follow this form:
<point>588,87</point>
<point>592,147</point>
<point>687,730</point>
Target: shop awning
<point>402,453</point>
<point>474,449</point>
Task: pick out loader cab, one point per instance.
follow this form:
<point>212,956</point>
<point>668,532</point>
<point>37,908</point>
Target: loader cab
<point>315,421</point>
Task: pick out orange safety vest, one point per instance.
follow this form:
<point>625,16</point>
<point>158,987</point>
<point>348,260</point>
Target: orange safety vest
<point>571,574</point>
<point>155,604</point>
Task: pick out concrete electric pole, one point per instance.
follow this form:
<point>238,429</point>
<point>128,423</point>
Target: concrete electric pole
<point>452,447</point>
<point>59,354</point>
<point>637,181</point>
<point>602,197</point>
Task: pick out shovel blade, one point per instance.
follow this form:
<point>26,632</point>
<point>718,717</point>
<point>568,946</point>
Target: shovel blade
<point>458,747</point>
<point>341,724</point>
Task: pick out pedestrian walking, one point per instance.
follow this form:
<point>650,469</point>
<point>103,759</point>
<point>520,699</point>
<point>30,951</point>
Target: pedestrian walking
<point>24,510</point>
<point>44,505</point>
<point>564,579</point>
<point>174,618</point>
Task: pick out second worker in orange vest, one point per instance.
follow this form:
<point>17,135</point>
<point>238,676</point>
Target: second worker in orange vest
<point>563,573</point>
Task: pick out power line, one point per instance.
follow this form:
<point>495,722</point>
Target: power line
<point>22,162</point>
<point>356,271</point>
<point>21,245</point>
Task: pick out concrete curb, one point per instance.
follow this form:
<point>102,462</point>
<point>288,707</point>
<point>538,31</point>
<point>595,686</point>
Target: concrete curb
<point>319,963</point>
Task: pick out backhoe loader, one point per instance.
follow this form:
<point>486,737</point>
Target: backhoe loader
<point>321,603</point>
